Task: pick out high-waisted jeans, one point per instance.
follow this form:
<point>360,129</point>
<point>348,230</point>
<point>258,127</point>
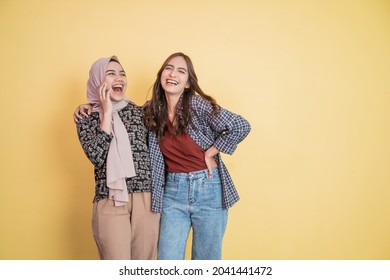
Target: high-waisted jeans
<point>192,200</point>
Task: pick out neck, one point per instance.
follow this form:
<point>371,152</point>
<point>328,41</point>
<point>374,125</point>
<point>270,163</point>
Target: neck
<point>172,100</point>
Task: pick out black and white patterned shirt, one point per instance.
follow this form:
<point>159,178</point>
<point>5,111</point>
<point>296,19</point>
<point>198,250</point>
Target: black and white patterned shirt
<point>96,143</point>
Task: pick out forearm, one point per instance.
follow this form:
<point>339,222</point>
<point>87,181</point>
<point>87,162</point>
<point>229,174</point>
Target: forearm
<point>211,152</point>
<point>234,129</point>
<point>106,122</point>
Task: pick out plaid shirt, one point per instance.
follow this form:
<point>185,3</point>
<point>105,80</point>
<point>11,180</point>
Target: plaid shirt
<point>224,130</point>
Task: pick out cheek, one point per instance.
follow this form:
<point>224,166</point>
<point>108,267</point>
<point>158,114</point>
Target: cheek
<point>125,83</point>
<point>163,87</point>
<point>162,82</point>
<point>108,81</point>
<point>186,79</point>
<point>162,78</point>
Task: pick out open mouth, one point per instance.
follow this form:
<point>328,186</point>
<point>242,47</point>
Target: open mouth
<point>172,82</point>
<point>117,88</point>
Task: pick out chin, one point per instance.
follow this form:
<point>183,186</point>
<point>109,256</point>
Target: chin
<point>117,98</point>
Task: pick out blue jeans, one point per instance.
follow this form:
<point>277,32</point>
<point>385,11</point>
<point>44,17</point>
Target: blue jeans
<point>192,199</point>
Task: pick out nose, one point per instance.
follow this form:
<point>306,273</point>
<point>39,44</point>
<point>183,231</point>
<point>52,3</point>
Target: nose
<point>172,74</point>
<point>118,78</point>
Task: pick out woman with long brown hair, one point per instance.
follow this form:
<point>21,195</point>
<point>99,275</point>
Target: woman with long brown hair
<point>192,187</point>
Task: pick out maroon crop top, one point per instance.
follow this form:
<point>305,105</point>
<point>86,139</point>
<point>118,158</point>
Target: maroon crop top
<point>181,153</point>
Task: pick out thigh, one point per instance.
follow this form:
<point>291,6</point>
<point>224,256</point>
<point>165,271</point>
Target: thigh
<point>209,221</point>
<point>175,223</point>
<point>111,228</point>
<point>145,226</point>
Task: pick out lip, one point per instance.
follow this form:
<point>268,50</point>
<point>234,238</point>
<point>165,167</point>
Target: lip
<point>118,88</point>
<point>171,82</point>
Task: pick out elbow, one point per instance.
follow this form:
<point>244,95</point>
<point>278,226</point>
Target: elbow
<point>247,128</point>
<point>98,164</point>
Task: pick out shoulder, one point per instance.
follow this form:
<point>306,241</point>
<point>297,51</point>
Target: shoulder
<point>133,107</point>
<point>92,120</point>
<point>197,99</point>
<point>198,103</point>
<point>131,114</point>
<point>147,104</point>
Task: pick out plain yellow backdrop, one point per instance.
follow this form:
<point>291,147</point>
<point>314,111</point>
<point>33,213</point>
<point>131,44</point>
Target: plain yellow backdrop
<point>312,78</point>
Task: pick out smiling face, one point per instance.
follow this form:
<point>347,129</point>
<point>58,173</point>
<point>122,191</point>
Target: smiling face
<point>174,77</point>
<point>116,80</point>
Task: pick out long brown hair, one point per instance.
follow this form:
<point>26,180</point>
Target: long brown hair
<point>156,109</point>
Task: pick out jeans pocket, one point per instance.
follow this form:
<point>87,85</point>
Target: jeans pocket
<point>212,194</point>
<point>170,193</point>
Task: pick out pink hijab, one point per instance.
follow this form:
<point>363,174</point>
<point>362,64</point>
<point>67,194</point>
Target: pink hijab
<point>120,164</point>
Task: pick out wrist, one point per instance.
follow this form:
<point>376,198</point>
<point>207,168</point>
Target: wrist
<point>107,112</point>
<point>211,152</point>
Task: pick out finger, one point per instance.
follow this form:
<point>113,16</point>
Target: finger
<point>76,116</point>
<point>101,93</point>
<point>84,113</point>
<point>102,90</point>
<point>210,169</point>
<point>108,93</point>
<point>77,113</point>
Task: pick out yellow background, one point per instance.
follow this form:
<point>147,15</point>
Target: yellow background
<point>312,77</point>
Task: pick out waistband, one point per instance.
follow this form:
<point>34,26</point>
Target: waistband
<point>193,175</point>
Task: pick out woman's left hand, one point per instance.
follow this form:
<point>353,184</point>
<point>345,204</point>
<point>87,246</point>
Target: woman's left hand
<point>84,110</point>
<point>210,160</point>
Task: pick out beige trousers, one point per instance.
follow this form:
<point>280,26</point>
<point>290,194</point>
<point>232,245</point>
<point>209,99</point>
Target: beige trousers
<point>128,232</point>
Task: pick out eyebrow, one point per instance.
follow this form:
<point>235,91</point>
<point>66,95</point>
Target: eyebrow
<point>182,68</point>
<point>110,70</point>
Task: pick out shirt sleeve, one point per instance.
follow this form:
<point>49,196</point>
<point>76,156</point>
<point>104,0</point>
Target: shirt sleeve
<point>94,141</point>
<point>231,128</point>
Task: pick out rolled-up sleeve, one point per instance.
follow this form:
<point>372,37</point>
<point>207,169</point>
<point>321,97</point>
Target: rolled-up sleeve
<point>230,128</point>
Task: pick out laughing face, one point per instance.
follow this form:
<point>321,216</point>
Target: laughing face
<point>174,77</point>
<point>116,80</point>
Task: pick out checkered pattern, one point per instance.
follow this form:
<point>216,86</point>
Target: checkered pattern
<point>224,130</point>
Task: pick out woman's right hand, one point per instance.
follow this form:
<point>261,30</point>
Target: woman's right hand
<point>83,110</point>
<point>105,100</point>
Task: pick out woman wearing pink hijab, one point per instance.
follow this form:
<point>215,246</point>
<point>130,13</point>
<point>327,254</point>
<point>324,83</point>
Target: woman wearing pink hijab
<point>114,138</point>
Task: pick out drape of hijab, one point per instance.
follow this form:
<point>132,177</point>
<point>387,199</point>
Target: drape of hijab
<point>120,164</point>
